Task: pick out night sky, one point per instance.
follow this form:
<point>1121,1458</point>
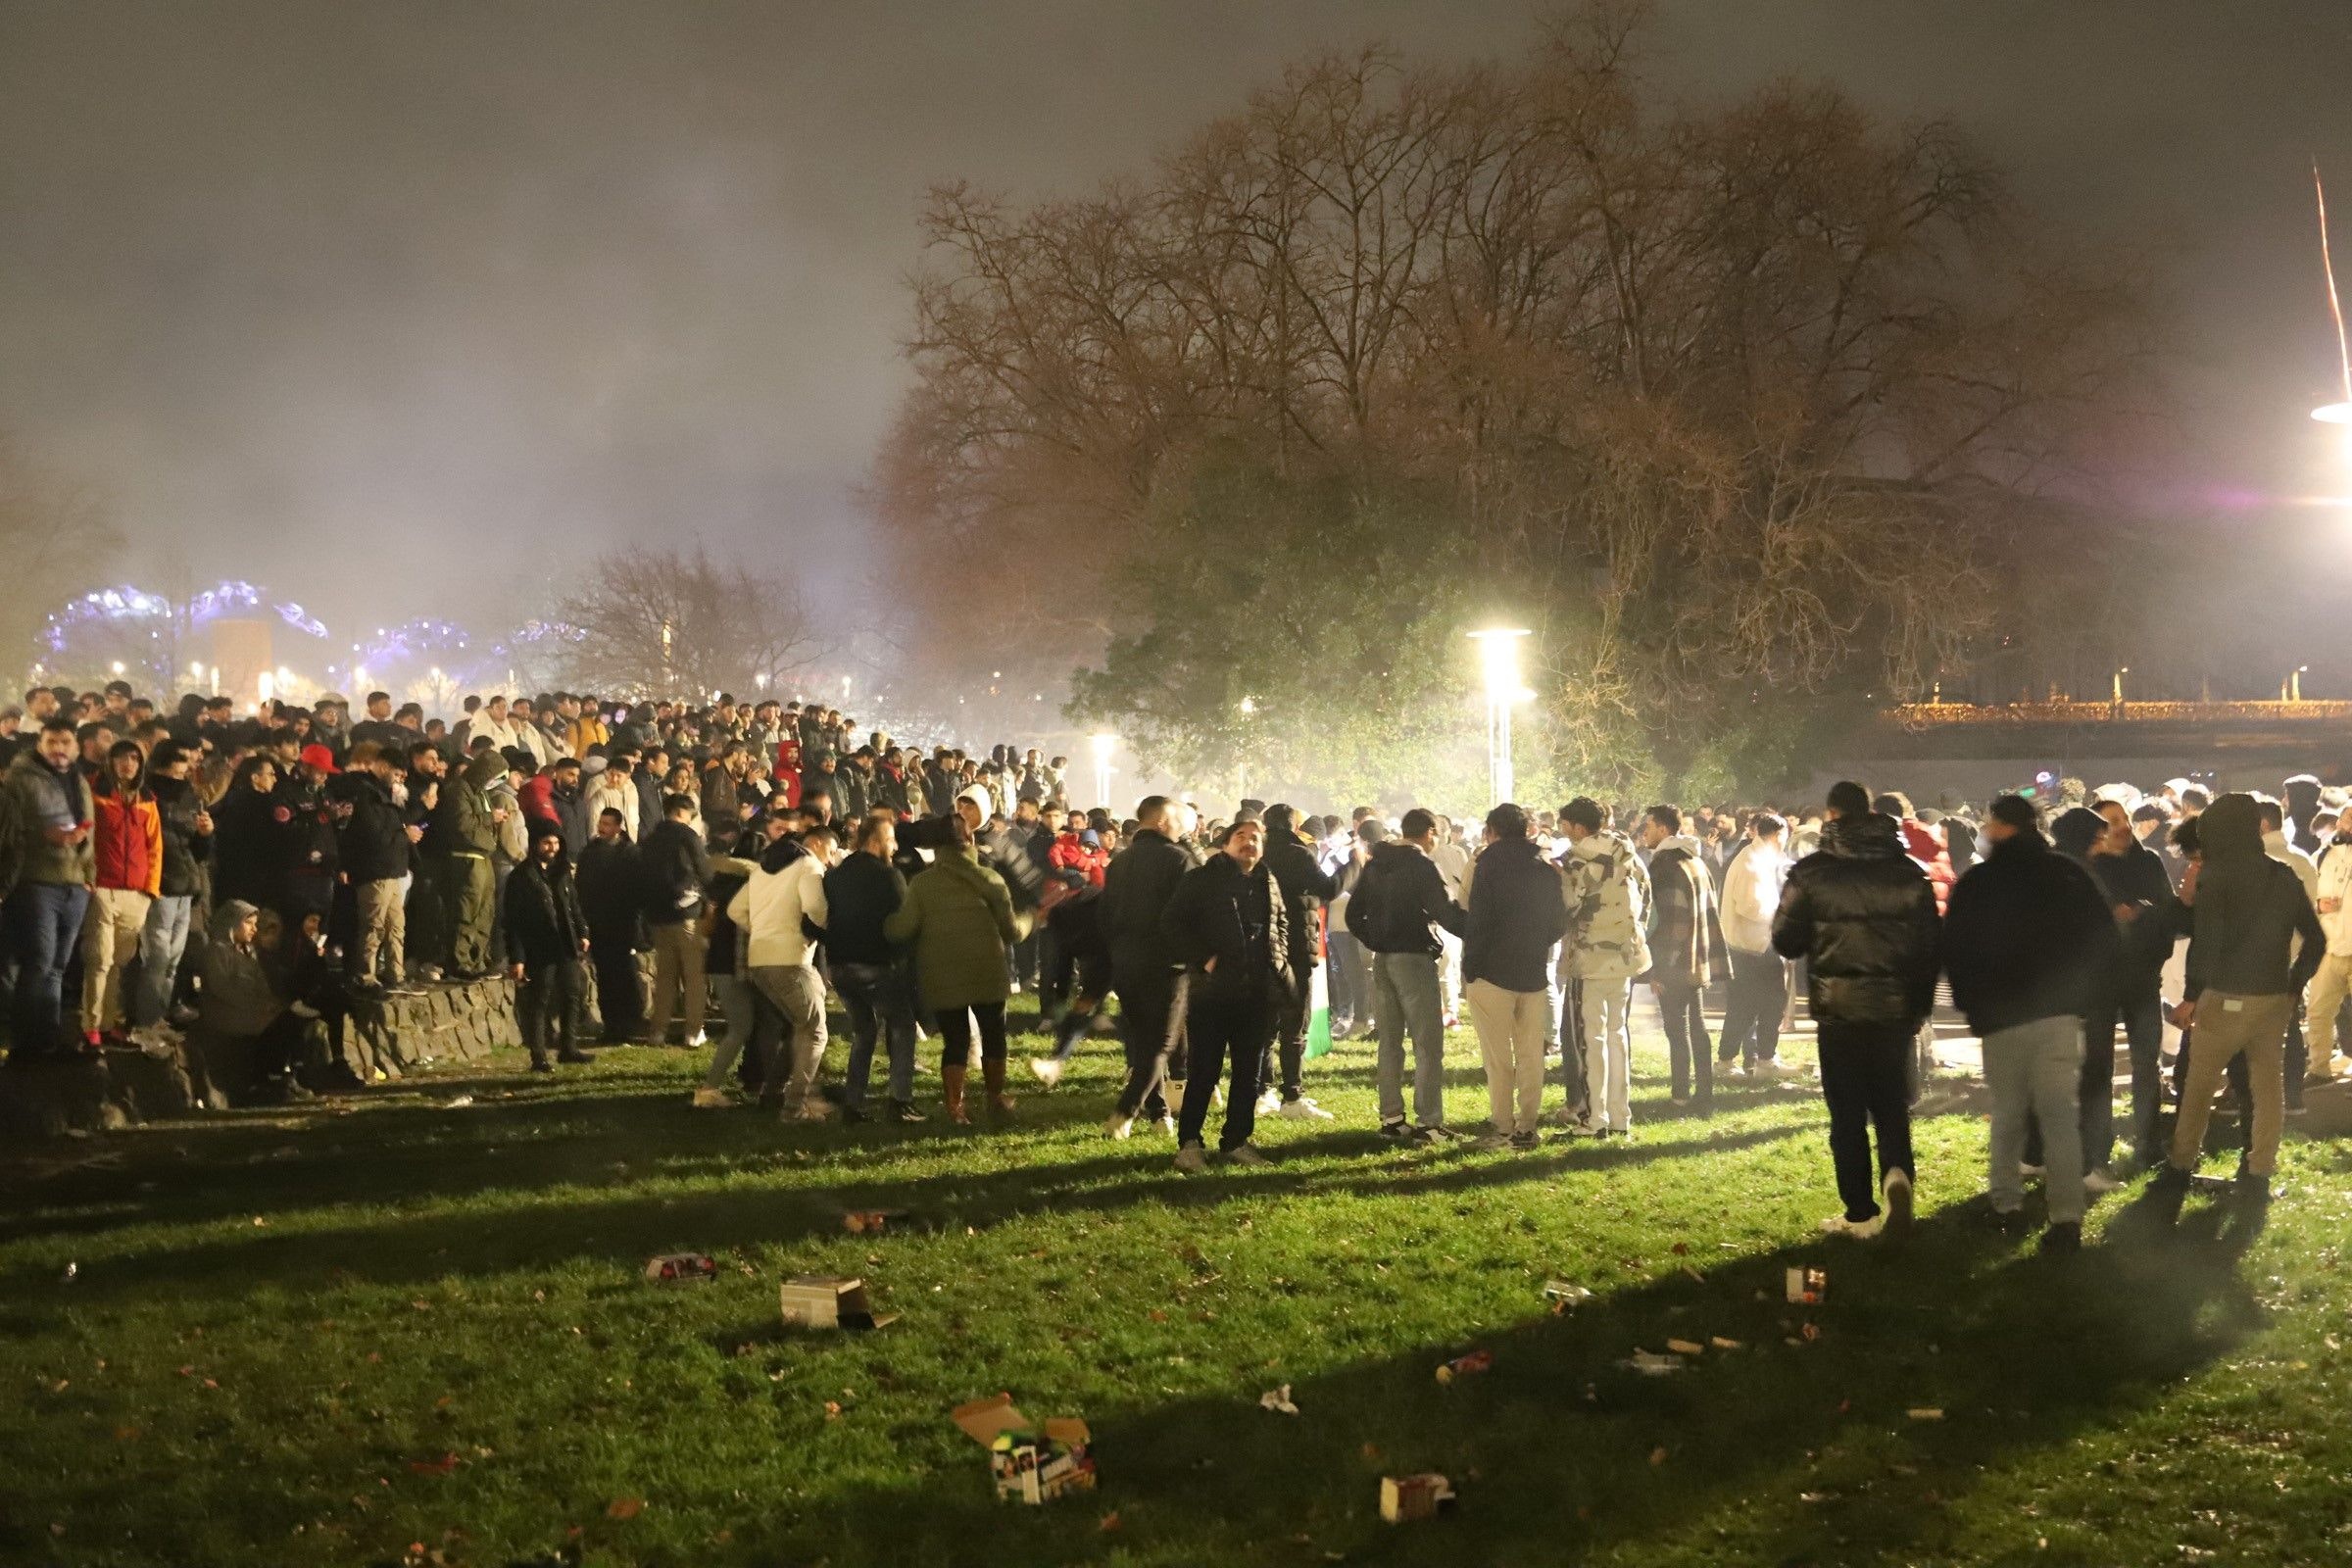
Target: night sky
<point>398,308</point>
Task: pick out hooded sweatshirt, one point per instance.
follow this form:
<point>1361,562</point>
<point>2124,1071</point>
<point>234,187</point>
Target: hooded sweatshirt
<point>1608,901</point>
<point>781,909</point>
<point>2254,932</point>
<point>233,992</point>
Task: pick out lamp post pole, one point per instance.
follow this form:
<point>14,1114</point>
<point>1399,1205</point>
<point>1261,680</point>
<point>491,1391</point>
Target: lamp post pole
<point>1498,663</point>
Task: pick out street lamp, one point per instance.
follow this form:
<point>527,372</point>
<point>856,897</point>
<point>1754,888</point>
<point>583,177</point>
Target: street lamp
<point>2118,698</point>
<point>1498,663</point>
<point>2291,690</point>
<point>1103,746</point>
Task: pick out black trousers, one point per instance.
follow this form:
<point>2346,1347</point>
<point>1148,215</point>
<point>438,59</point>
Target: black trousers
<point>1866,1079</point>
<point>1572,1047</point>
<point>1218,1028</point>
<point>956,1035</point>
<point>1289,1039</point>
<point>1689,1055</point>
<point>1146,998</point>
<point>553,999</point>
<point>1751,1016</point>
<point>619,1000</point>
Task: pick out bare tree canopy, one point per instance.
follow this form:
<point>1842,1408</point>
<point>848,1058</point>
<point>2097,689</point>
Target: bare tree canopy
<point>1725,405</point>
<point>53,536</point>
<point>649,621</point>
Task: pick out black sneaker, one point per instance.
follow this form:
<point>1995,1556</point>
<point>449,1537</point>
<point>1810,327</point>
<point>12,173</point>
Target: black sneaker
<point>2063,1237</point>
<point>2251,1189</point>
<point>2010,1222</point>
<point>852,1116</point>
<point>1523,1142</point>
<point>577,1058</point>
<point>903,1110</point>
<point>542,1064</point>
<point>1400,1132</point>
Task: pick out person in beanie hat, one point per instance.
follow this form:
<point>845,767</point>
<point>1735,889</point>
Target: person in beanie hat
<point>547,944</point>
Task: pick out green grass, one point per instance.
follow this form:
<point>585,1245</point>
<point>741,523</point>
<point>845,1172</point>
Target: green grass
<point>334,1334</point>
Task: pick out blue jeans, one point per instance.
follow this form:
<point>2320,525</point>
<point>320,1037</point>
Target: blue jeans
<point>161,945</point>
<point>880,1007</point>
<point>43,925</point>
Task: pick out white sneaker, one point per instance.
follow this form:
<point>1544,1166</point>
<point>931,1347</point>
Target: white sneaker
<point>1269,1104</point>
<point>2099,1182</point>
<point>709,1099</point>
<point>1246,1154</point>
<point>812,1110</point>
<point>696,1041</point>
<point>1191,1158</point>
<point>1119,1126</point>
<point>1167,1125</point>
<point>1861,1230</point>
<point>1303,1109</point>
<point>1895,1218</point>
<point>1048,1070</point>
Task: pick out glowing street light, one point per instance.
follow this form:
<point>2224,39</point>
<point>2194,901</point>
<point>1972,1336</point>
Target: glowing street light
<point>118,666</point>
<point>1103,746</point>
<point>2290,690</point>
<point>2118,679</point>
<point>1499,664</point>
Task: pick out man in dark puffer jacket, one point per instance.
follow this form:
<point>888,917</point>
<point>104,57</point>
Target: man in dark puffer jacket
<point>1862,915</point>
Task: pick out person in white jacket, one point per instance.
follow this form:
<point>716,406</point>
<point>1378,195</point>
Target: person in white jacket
<point>1759,990</point>
<point>1608,901</point>
<point>2334,982</point>
<point>781,913</point>
<point>2278,847</point>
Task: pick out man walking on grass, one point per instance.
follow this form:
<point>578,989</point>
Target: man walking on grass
<point>2029,944</point>
<point>1861,914</point>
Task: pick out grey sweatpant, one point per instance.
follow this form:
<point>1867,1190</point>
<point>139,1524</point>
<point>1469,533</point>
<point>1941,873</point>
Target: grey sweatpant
<point>2036,1066</point>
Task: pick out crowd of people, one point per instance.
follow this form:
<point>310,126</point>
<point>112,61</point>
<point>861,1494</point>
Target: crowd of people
<point>627,865</point>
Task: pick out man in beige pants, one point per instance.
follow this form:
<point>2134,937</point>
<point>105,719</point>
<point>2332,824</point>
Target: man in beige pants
<point>1518,911</point>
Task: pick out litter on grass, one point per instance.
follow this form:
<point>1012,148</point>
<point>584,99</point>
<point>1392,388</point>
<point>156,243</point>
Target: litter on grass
<point>458,1103</point>
<point>871,1221</point>
<point>1462,1366</point>
<point>822,1301</point>
<point>681,1268</point>
<point>1686,1347</point>
<point>1652,1365</point>
<point>1925,1413</point>
<point>1564,1293</point>
<point>1806,1287</point>
<point>1407,1497</point>
<point>1278,1400</point>
<point>1032,1464</point>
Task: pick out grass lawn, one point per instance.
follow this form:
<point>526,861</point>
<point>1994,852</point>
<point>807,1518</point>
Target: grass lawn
<point>387,1327</point>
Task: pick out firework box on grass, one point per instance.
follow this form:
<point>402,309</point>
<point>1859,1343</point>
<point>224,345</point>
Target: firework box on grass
<point>1031,1462</point>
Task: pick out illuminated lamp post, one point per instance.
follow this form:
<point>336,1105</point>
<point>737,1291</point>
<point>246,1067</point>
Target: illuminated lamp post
<point>1498,663</point>
<point>1103,746</point>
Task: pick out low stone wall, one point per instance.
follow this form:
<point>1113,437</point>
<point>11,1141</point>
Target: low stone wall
<point>387,1036</point>
<point>94,1092</point>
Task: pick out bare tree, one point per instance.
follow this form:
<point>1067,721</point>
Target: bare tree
<point>55,537</point>
<point>657,623</point>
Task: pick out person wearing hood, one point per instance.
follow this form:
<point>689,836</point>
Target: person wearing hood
<point>235,1000</point>
<point>1143,877</point>
<point>458,846</point>
<point>781,912</point>
<point>1759,992</point>
<point>609,783</point>
<point>958,918</point>
<point>1861,914</point>
<point>1684,937</point>
<point>1397,909</point>
<point>2031,945</point>
<point>1606,947</point>
<point>513,838</point>
<point>1291,860</point>
<point>2254,942</point>
<point>48,876</point>
<point>1518,911</point>
<point>1228,925</point>
<point>547,942</point>
<point>187,835</point>
<point>127,850</point>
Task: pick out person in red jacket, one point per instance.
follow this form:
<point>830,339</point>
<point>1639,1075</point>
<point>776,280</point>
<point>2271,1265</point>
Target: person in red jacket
<point>126,841</point>
<point>1926,847</point>
<point>1081,852</point>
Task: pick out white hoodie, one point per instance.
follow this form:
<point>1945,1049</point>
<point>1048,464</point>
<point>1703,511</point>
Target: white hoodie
<point>1751,895</point>
<point>770,909</point>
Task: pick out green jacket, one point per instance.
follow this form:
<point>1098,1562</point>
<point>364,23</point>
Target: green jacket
<point>462,822</point>
<point>958,917</point>
<point>32,796</point>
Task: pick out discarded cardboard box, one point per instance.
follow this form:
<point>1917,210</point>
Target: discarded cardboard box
<point>820,1301</point>
<point>1407,1497</point>
<point>682,1268</point>
<point>1031,1463</point>
<point>1807,1285</point>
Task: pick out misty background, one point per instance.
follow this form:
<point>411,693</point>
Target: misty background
<point>404,310</point>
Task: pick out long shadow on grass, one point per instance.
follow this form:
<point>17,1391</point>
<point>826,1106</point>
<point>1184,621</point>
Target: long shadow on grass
<point>423,1242</point>
<point>1803,1448</point>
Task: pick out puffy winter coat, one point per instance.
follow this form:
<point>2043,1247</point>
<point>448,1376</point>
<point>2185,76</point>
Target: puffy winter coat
<point>545,923</point>
<point>126,842</point>
<point>1608,907</point>
<point>374,840</point>
<point>1862,913</point>
<point>1400,901</point>
<point>1751,895</point>
<point>186,850</point>
<point>1136,890</point>
<point>1518,908</point>
<point>1240,920</point>
<point>958,918</point>
<point>782,907</point>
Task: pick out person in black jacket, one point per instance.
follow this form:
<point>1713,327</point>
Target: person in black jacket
<point>1308,887</point>
<point>305,840</point>
<point>1861,914</point>
<point>375,848</point>
<point>245,836</point>
<point>607,881</point>
<point>1518,913</point>
<point>2029,944</point>
<point>1135,891</point>
<point>546,936</point>
<point>1228,925</point>
<point>2256,942</point>
<point>870,972</point>
<point>2139,891</point>
<point>1398,905</point>
<point>187,846</point>
<point>673,872</point>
